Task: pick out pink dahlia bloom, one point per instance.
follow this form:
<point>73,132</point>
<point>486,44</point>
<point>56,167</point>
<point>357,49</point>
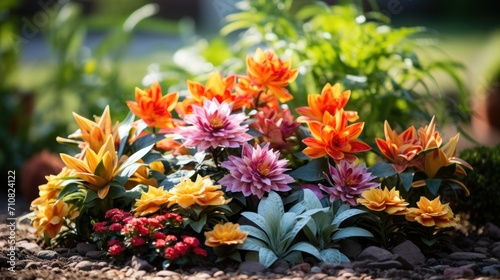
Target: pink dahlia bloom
<point>349,180</point>
<point>213,125</point>
<point>258,171</point>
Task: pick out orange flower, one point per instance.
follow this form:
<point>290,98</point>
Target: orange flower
<point>216,87</point>
<point>429,136</point>
<point>201,192</point>
<point>335,138</point>
<point>330,100</point>
<point>226,234</point>
<point>399,148</point>
<point>153,107</point>
<point>49,218</point>
<point>48,192</point>
<point>151,201</point>
<point>384,200</point>
<point>93,134</point>
<point>432,213</point>
<point>267,71</point>
<point>141,176</point>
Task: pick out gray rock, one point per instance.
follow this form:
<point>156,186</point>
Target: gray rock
<point>32,265</point>
<point>410,253</point>
<point>84,248</point>
<point>96,255</point>
<point>251,267</point>
<point>85,266</point>
<point>458,272</point>
<point>385,264</point>
<point>140,264</point>
<point>316,269</point>
<point>467,256</point>
<point>350,248</point>
<point>492,231</point>
<point>496,252</point>
<point>491,270</point>
<point>280,267</point>
<point>374,253</point>
<point>30,247</point>
<point>47,254</point>
<point>167,273</point>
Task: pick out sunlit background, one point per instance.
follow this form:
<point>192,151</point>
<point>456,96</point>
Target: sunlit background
<point>60,56</point>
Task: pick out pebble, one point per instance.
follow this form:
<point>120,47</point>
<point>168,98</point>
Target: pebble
<point>95,255</point>
<point>85,265</point>
<point>251,267</point>
<point>385,264</point>
<point>140,264</point>
<point>167,273</point>
<point>467,256</point>
<point>315,269</point>
<point>83,248</point>
<point>30,247</point>
<point>47,254</point>
<point>373,253</point>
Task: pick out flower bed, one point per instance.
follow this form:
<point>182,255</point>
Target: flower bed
<point>228,173</point>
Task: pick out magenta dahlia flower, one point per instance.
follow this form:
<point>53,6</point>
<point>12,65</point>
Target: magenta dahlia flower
<point>349,180</point>
<point>259,170</point>
<point>213,125</point>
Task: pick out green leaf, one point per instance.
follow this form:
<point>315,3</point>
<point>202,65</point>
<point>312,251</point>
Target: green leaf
<point>146,140</point>
<point>255,218</point>
<point>255,232</point>
<point>351,232</point>
<point>290,236</point>
<point>267,257</point>
<point>312,171</point>
<point>197,225</point>
<point>406,180</point>
<point>331,255</point>
<point>339,218</point>
<point>68,189</point>
<point>306,248</point>
<point>382,169</point>
<point>252,244</point>
<point>433,185</point>
<point>134,158</point>
<point>91,196</point>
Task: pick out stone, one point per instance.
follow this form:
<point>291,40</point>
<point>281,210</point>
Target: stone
<point>251,267</point>
<point>305,267</point>
<point>167,273</point>
<point>385,264</point>
<point>491,270</point>
<point>85,266</point>
<point>32,265</point>
<point>30,247</point>
<point>350,248</point>
<point>467,256</point>
<point>96,255</point>
<point>492,231</point>
<point>315,269</point>
<point>374,253</point>
<point>496,252</point>
<point>410,253</point>
<point>458,272</point>
<point>140,264</point>
<point>47,254</point>
<point>83,248</point>
<point>280,267</point>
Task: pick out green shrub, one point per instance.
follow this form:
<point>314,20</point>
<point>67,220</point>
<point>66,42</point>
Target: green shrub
<point>484,185</point>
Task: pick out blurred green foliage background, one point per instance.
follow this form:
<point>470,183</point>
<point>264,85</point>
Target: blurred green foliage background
<point>60,56</point>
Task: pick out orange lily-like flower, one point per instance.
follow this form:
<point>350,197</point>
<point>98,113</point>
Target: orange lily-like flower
<point>96,169</point>
<point>154,108</point>
<point>141,176</point>
<point>385,200</point>
<point>48,192</point>
<point>335,138</point>
<point>202,192</point>
<point>151,201</point>
<point>330,100</point>
<point>429,136</point>
<point>93,133</point>
<point>225,234</point>
<point>267,71</point>
<point>216,87</point>
<point>400,149</point>
<point>432,213</point>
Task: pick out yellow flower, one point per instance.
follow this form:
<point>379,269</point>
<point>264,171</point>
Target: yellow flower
<point>141,176</point>
<point>432,213</point>
<point>97,170</point>
<point>93,134</point>
<point>201,192</point>
<point>49,218</point>
<point>48,192</point>
<point>225,234</point>
<point>384,200</point>
<point>151,201</point>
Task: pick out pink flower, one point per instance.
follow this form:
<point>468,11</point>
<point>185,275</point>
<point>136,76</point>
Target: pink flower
<point>276,126</point>
<point>258,171</point>
<point>170,237</point>
<point>137,241</point>
<point>191,241</point>
<point>160,243</point>
<point>171,253</point>
<point>349,180</point>
<point>100,227</point>
<point>115,227</point>
<point>159,235</point>
<point>114,242</point>
<point>182,248</point>
<point>213,125</point>
<point>200,251</point>
<point>115,250</point>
